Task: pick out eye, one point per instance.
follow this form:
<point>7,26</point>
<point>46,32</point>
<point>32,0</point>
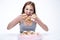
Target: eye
<point>31,9</point>
<point>26,9</point>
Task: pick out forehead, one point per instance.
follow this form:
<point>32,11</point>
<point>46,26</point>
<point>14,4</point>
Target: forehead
<point>29,6</point>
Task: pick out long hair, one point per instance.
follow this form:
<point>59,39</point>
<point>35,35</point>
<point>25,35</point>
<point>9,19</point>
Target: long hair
<point>29,3</point>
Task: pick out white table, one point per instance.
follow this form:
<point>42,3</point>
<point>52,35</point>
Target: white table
<point>15,37</point>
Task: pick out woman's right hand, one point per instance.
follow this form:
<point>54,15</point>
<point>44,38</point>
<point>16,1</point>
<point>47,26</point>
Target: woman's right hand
<point>23,16</point>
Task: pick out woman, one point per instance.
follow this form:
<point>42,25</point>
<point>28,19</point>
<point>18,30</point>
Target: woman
<point>28,20</point>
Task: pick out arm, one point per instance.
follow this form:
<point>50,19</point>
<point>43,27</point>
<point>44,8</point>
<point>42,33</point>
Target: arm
<point>14,22</point>
<point>37,20</point>
<point>41,24</point>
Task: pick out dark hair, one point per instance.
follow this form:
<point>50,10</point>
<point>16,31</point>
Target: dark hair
<point>28,3</point>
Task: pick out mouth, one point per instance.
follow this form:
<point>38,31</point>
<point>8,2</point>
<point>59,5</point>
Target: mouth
<point>29,14</point>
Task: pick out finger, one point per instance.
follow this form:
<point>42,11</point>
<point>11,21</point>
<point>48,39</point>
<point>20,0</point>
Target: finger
<point>24,16</point>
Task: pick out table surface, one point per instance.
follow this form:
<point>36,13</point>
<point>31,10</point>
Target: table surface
<point>15,37</point>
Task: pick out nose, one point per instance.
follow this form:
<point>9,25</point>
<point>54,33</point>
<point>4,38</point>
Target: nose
<point>28,11</point>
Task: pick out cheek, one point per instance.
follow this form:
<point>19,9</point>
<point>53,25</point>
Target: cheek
<point>25,11</point>
<point>31,11</point>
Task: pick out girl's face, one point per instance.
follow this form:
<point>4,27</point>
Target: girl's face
<point>29,10</point>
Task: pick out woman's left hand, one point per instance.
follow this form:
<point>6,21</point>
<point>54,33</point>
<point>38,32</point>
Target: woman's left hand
<point>34,18</point>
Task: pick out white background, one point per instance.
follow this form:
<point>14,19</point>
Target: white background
<point>47,10</point>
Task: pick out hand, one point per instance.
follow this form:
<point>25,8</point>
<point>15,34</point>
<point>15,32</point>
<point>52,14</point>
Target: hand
<point>34,17</point>
<point>24,16</point>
